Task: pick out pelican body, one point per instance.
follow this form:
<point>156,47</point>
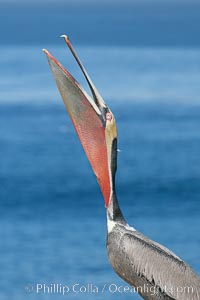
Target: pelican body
<point>151,269</point>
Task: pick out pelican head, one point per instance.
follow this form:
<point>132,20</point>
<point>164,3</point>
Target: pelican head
<point>94,123</point>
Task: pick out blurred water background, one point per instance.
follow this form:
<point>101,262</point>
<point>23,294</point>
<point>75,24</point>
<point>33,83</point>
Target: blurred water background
<point>52,223</point>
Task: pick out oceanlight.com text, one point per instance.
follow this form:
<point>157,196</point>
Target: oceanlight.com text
<point>112,288</point>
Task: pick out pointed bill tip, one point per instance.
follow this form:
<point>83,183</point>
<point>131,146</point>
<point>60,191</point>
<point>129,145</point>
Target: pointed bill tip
<point>65,37</point>
<point>49,55</point>
<point>45,51</point>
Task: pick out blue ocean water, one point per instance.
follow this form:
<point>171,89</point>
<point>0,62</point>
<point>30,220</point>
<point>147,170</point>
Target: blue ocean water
<point>128,22</point>
<point>52,224</point>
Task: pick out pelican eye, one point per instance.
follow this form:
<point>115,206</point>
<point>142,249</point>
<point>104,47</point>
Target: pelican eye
<point>109,116</point>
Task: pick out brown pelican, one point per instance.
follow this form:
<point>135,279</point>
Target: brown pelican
<point>154,271</point>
